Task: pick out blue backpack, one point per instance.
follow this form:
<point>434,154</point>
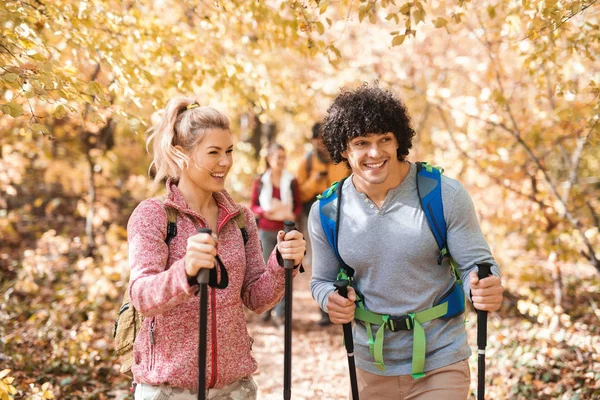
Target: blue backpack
<point>429,188</point>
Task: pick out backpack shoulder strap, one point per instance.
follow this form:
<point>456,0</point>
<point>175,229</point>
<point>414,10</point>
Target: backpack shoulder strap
<point>172,220</point>
<point>329,211</point>
<point>429,188</point>
<point>240,220</point>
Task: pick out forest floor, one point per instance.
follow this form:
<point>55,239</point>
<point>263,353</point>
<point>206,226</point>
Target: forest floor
<point>54,334</point>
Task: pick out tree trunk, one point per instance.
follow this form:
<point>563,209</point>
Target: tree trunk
<point>89,221</point>
<point>557,281</point>
<point>255,138</point>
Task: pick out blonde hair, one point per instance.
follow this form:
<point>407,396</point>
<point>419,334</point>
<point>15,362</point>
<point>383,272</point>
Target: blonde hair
<point>184,123</point>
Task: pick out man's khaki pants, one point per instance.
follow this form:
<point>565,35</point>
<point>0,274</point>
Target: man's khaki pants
<point>447,383</point>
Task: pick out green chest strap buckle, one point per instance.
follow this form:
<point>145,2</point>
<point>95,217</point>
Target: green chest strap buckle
<point>412,321</point>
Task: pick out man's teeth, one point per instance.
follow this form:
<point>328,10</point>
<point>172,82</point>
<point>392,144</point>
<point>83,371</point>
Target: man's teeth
<point>375,165</point>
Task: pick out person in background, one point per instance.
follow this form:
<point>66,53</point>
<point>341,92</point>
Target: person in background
<point>192,148</point>
<point>316,172</point>
<point>275,198</point>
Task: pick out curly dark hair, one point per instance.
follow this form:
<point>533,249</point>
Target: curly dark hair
<point>367,109</point>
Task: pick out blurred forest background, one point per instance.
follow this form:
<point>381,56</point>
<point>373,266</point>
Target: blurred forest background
<point>503,94</point>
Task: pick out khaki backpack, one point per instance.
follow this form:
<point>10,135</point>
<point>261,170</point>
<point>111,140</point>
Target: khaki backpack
<point>129,321</point>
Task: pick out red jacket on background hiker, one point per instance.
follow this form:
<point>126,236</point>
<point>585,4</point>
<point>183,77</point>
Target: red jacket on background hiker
<point>263,222</point>
<point>160,291</point>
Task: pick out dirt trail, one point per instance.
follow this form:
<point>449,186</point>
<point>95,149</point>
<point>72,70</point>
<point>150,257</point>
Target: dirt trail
<point>319,364</point>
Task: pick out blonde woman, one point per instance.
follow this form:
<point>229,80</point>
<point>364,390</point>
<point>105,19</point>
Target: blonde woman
<point>192,148</point>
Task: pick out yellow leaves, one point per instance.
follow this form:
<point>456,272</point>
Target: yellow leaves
<point>393,16</point>
<point>47,67</point>
<point>457,17</point>
<point>11,77</point>
<point>365,10</point>
<point>6,387</point>
<point>46,392</point>
<point>94,88</point>
<point>418,15</point>
<point>334,50</point>
<point>60,112</point>
<point>39,128</point>
<point>440,22</point>
<point>405,9</point>
<point>11,108</point>
<point>398,40</point>
<point>323,6</point>
<point>42,393</point>
<point>320,27</point>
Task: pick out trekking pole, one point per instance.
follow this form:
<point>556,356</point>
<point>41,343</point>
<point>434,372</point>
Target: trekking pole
<point>342,288</point>
<point>288,226</point>
<point>484,271</point>
<point>202,279</point>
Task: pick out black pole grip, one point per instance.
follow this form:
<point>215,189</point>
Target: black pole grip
<point>288,226</point>
<point>342,287</point>
<point>484,270</point>
<point>204,273</point>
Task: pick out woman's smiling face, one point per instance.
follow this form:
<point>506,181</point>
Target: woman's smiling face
<point>211,160</point>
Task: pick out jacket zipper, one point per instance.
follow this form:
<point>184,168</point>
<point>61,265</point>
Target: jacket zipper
<point>152,343</point>
<point>213,297</point>
<point>226,220</point>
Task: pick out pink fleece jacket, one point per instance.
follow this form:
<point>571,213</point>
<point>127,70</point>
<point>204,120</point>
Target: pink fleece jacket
<point>166,348</point>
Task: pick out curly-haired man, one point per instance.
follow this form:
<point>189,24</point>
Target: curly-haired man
<point>399,272</point>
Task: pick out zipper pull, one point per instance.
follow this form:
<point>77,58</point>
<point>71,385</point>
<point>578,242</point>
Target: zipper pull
<point>152,331</point>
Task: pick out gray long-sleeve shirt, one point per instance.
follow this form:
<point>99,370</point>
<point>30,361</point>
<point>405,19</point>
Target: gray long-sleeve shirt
<point>394,255</point>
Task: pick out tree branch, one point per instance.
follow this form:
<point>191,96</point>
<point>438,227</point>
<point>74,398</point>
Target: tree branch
<point>566,19</point>
<point>496,179</point>
<point>574,166</point>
